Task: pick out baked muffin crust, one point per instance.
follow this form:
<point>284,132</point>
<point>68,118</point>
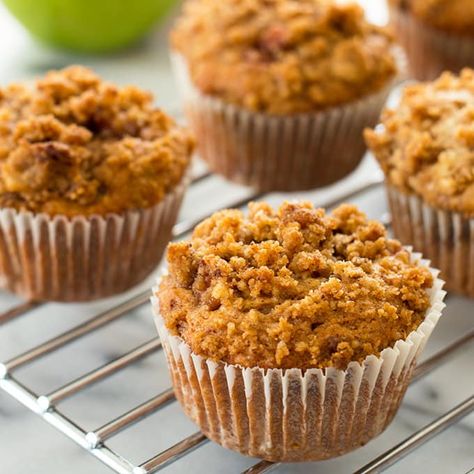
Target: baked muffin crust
<point>455,16</point>
<point>283,56</point>
<point>293,288</point>
<point>426,144</point>
<point>74,144</point>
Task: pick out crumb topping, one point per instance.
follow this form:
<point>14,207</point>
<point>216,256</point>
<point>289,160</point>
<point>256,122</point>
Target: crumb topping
<point>292,288</point>
<point>455,16</point>
<point>74,144</point>
<point>283,56</point>
<point>426,144</point>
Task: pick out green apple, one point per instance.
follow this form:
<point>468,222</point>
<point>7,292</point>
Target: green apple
<point>88,25</point>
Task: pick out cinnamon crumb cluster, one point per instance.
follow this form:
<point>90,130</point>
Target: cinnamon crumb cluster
<point>283,56</point>
<point>74,144</point>
<point>292,288</point>
<point>454,16</point>
<point>426,144</point>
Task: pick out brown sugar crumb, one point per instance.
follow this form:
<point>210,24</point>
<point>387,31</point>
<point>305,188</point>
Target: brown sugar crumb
<point>283,56</point>
<point>74,144</point>
<point>293,288</point>
<point>426,145</point>
<point>454,16</point>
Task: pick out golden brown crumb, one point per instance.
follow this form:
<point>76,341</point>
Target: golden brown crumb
<point>293,288</point>
<point>455,16</point>
<point>74,144</point>
<point>426,146</point>
<point>283,56</point>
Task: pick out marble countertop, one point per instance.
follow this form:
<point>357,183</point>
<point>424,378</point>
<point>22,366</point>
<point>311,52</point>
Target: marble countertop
<point>29,445</point>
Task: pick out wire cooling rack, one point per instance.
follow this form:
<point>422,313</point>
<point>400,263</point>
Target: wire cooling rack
<point>47,405</point>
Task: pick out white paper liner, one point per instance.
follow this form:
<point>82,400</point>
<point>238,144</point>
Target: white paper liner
<point>279,153</point>
<point>295,415</point>
<point>82,258</point>
<point>446,237</point>
<point>431,51</point>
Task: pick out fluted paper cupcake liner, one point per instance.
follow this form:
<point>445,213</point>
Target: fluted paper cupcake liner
<point>431,51</point>
<point>83,258</point>
<point>296,415</point>
<point>278,153</point>
<point>446,237</point>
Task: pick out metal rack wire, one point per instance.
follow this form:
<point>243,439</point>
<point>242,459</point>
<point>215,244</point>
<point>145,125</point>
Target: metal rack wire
<point>95,442</point>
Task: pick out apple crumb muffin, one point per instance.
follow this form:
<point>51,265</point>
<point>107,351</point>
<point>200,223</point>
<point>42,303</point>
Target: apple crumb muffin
<point>92,176</point>
<point>425,147</point>
<point>278,92</point>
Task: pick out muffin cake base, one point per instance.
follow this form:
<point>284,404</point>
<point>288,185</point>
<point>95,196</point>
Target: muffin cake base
<point>446,237</point>
<point>83,258</point>
<point>294,415</point>
<point>278,153</point>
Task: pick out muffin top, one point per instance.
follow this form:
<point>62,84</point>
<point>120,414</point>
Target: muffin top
<point>426,145</point>
<point>454,16</point>
<point>293,288</point>
<point>283,56</point>
<point>75,145</point>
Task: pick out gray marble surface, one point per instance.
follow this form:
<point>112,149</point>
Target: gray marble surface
<point>29,445</point>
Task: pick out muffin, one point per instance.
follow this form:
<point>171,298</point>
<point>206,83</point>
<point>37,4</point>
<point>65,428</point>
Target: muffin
<point>291,335</point>
<point>91,180</point>
<point>426,150</point>
<point>278,91</point>
<point>438,35</point>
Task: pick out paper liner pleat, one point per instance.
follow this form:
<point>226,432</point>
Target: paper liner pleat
<point>278,153</point>
<point>82,258</point>
<point>431,51</point>
<point>296,415</point>
<point>446,237</point>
